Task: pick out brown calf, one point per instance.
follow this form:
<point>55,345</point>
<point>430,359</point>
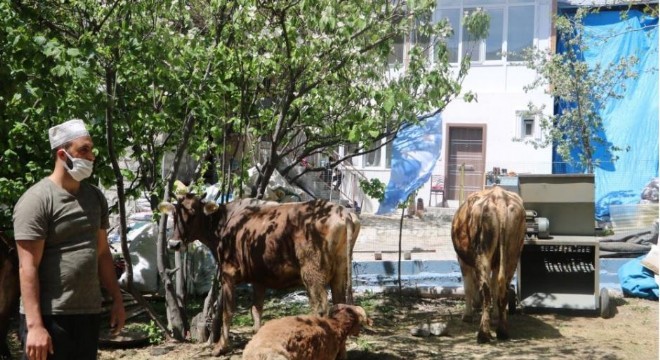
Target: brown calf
<point>307,337</point>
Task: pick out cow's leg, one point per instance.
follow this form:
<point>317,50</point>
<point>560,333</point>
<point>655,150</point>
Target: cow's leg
<point>338,288</point>
<point>258,296</point>
<point>227,306</point>
<point>338,285</point>
<point>471,290</point>
<point>483,278</point>
<point>503,300</point>
<point>315,282</point>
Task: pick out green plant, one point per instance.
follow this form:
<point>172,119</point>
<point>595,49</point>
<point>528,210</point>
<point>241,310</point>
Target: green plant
<point>152,331</point>
<point>368,303</point>
<point>242,319</point>
<point>364,345</point>
<point>373,188</point>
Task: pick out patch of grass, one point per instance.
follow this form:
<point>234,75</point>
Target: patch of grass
<point>369,302</point>
<point>151,329</point>
<point>242,319</point>
<point>373,303</point>
<point>276,308</point>
<point>364,345</point>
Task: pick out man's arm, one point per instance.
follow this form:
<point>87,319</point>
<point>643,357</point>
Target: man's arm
<point>38,343</point>
<point>108,279</point>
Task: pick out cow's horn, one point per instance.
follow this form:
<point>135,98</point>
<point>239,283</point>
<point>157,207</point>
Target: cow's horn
<point>180,188</point>
<point>166,208</point>
<point>210,207</point>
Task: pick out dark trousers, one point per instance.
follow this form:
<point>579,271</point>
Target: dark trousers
<point>74,336</point>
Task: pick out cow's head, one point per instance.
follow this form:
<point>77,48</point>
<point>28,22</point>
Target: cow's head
<point>189,214</point>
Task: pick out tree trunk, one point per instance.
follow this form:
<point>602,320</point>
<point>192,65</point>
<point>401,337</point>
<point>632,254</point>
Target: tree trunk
<point>121,200</point>
<point>264,178</point>
<point>403,212</point>
<point>176,316</point>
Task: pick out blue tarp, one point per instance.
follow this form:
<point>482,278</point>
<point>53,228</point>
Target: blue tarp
<point>629,121</point>
<point>638,281</point>
<point>414,154</point>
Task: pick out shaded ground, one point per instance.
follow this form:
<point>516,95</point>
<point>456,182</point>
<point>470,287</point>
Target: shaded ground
<point>631,334</point>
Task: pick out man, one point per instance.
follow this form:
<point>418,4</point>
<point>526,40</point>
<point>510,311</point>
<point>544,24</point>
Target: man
<point>60,226</point>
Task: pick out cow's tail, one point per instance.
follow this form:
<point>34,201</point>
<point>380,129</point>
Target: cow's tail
<point>352,229</point>
<point>502,245</point>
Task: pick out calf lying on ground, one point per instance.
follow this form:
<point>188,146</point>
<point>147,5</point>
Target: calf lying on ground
<point>307,337</point>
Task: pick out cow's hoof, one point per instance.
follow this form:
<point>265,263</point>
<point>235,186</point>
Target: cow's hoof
<point>483,337</point>
<point>502,334</point>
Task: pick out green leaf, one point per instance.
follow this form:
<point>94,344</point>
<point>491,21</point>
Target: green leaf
<point>40,39</point>
<point>389,103</point>
<point>73,52</point>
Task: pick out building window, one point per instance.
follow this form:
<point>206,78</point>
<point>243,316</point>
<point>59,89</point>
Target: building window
<point>379,158</point>
<point>350,149</point>
<point>419,38</point>
<point>521,31</point>
<point>388,154</point>
<point>453,16</point>
<point>396,56</point>
<point>528,127</point>
<point>372,159</point>
<point>494,42</point>
<point>511,29</point>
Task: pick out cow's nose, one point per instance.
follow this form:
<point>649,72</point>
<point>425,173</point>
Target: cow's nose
<point>174,245</point>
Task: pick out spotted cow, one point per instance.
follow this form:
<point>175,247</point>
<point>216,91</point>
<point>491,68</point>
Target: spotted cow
<point>488,231</point>
<point>270,245</point>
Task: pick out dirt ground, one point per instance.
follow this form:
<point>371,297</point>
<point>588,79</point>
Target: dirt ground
<point>631,334</point>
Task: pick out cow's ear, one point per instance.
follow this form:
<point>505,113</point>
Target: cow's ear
<point>166,208</point>
<point>210,207</point>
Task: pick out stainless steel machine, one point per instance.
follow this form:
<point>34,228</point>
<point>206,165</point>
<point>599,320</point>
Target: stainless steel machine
<point>559,265</point>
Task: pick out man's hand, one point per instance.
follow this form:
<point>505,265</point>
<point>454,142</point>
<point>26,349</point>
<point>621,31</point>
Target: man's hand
<point>117,316</point>
<point>38,344</point>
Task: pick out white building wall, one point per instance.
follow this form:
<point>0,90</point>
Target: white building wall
<point>500,96</point>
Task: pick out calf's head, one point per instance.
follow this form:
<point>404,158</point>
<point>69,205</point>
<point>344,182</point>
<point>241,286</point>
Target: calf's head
<point>189,213</point>
<point>357,313</point>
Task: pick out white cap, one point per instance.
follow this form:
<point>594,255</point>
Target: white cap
<point>65,132</point>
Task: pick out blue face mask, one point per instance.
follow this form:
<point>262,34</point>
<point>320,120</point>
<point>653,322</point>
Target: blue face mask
<point>80,168</point>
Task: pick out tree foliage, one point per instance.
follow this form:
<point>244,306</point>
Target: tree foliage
<point>205,77</point>
<point>581,91</point>
<point>326,77</point>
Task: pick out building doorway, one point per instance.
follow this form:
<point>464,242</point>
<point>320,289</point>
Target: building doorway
<point>466,161</point>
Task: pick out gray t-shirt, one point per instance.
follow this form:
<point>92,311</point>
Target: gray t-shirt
<point>69,224</point>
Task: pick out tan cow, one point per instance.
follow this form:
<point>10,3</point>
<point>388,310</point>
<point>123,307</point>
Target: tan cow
<point>488,232</point>
<point>271,245</point>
